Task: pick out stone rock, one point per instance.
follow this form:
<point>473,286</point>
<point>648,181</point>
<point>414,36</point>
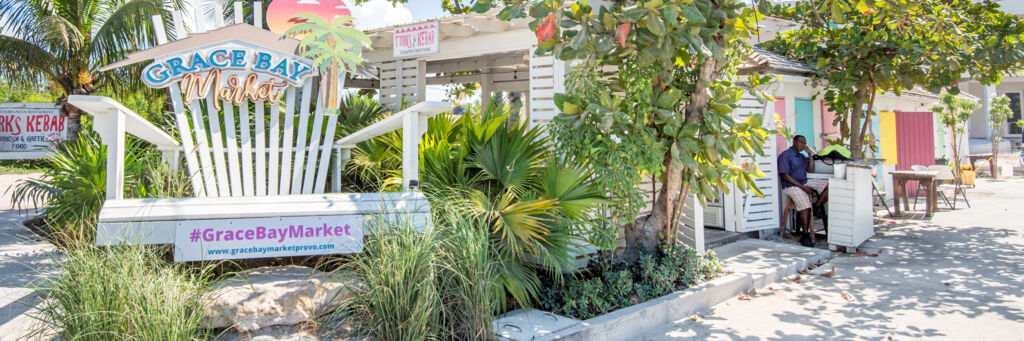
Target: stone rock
<point>278,295</point>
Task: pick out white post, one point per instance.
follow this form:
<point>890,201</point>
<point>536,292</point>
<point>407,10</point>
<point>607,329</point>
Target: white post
<point>239,13</point>
<point>421,80</point>
<point>410,148</point>
<point>485,89</point>
<point>179,25</point>
<point>158,28</point>
<point>115,155</point>
<point>257,14</point>
<point>218,15</point>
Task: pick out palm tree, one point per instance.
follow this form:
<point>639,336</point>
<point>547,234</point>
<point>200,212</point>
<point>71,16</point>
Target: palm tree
<point>335,48</point>
<point>65,42</point>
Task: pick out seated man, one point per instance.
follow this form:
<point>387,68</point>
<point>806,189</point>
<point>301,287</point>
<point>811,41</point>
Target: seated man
<point>793,168</point>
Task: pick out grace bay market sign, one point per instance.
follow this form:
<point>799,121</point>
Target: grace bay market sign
<point>236,71</point>
<point>415,40</point>
<point>30,130</point>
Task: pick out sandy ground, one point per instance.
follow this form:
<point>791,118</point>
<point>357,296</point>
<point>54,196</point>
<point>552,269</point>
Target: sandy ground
<point>957,276</point>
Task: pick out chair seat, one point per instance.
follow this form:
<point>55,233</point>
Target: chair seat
<point>155,221</point>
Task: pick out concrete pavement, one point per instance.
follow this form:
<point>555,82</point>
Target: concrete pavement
<point>25,260</point>
<point>956,276</point>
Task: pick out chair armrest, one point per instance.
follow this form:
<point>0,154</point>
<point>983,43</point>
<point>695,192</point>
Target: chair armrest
<point>104,109</point>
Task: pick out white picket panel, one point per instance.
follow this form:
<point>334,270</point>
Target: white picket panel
<point>217,144</point>
<point>325,154</point>
<point>748,212</point>
<point>287,145</point>
<point>275,143</point>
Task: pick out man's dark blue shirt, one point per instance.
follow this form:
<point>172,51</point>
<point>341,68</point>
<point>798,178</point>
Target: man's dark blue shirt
<point>795,164</point>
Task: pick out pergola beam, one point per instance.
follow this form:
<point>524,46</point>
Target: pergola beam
<point>456,30</point>
<point>479,63</point>
<point>501,76</point>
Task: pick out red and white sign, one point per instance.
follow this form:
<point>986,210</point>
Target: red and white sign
<point>30,127</point>
<point>415,40</point>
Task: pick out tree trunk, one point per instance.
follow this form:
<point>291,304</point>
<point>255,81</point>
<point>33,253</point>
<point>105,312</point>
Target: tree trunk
<point>642,235</point>
<point>856,135</point>
<point>993,165</point>
<point>74,120</point>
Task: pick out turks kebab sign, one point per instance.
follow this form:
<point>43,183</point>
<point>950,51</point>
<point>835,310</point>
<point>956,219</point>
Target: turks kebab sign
<point>233,71</point>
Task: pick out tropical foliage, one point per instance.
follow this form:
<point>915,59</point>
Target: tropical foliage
<point>536,207</point>
<point>999,114</point>
<point>653,97</point>
<point>870,47</point>
<point>65,42</point>
<point>954,112</point>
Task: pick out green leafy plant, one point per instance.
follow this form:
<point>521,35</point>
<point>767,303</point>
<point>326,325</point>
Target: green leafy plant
<point>954,112</point>
<point>537,207</point>
<point>859,49</point>
<point>998,116</point>
<point>121,293</point>
<point>620,286</point>
<point>64,42</point>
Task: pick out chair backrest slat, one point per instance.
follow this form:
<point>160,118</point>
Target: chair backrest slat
<point>231,145</point>
<point>300,144</point>
<point>217,145</point>
<point>205,166</point>
<point>314,143</point>
<point>325,154</point>
<point>188,147</point>
<point>246,149</point>
<point>275,141</point>
<point>261,150</point>
<point>287,144</point>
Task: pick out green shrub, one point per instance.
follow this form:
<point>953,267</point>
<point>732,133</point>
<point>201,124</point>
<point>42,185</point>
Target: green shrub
<point>122,293</point>
<point>621,286</point>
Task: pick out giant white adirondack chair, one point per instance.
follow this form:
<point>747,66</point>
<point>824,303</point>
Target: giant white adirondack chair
<point>242,164</point>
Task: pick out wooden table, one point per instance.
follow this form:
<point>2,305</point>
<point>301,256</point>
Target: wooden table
<point>974,159</point>
<point>899,182</point>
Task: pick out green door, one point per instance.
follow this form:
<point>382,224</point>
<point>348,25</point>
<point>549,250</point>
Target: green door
<point>805,120</point>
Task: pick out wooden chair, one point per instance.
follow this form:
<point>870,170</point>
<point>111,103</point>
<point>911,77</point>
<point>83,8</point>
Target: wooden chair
<point>247,163</point>
<point>920,187</point>
<point>790,206</point>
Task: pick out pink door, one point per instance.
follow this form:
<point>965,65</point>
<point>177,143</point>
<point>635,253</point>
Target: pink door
<point>828,129</point>
<point>916,142</point>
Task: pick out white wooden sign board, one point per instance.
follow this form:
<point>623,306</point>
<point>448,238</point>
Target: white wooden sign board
<point>217,239</point>
<point>30,130</point>
<point>416,40</point>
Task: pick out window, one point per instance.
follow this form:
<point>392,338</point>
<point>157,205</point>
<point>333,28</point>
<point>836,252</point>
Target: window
<point>1011,125</point>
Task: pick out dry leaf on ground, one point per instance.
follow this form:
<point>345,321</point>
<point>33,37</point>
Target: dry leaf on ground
<point>847,296</point>
<point>796,279</point>
<point>695,318</point>
<point>743,296</point>
<point>805,271</point>
<point>830,273</point>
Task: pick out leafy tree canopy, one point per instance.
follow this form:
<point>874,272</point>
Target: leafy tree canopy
<point>652,94</point>
<point>861,48</point>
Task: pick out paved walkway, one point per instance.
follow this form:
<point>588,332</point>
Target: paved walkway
<point>24,259</point>
<point>956,276</point>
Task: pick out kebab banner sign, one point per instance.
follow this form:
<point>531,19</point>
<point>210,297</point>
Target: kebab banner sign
<point>414,40</point>
<point>233,71</point>
<point>31,127</point>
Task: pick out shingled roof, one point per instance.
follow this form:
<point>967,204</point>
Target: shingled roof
<point>761,60</point>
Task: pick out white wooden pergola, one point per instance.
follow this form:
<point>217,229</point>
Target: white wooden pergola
<point>481,48</point>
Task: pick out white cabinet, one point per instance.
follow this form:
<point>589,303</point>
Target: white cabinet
<point>850,209</point>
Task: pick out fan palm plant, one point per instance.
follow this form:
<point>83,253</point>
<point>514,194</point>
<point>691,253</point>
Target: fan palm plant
<point>65,42</point>
<point>535,206</point>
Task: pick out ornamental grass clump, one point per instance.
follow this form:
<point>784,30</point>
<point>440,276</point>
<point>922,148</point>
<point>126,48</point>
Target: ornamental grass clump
<point>122,293</point>
<point>436,283</point>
